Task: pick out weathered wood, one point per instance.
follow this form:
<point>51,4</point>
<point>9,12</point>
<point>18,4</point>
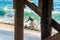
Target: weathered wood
<point>54,37</point>
<point>19,10</point>
<point>56,25</point>
<point>33,7</point>
<point>46,17</point>
<point>40,4</point>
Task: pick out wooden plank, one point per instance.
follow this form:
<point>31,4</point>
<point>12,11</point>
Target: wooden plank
<point>54,37</point>
<point>19,10</point>
<point>56,25</point>
<point>33,7</point>
<point>46,22</point>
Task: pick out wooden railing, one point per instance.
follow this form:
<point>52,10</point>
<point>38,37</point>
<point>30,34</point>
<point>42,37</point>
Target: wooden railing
<point>44,11</point>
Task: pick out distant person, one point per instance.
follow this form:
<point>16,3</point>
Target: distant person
<point>31,19</point>
<point>32,22</point>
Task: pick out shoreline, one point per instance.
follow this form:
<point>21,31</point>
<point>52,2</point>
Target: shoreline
<point>6,27</point>
<point>10,27</point>
<point>12,24</point>
<point>8,23</point>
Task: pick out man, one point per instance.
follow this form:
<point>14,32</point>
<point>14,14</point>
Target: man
<point>32,23</point>
<point>30,19</point>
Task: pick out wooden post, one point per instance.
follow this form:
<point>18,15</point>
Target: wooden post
<point>46,19</point>
<point>40,4</point>
<point>19,10</point>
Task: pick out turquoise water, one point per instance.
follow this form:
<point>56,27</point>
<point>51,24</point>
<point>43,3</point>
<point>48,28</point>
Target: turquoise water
<point>9,15</point>
<point>56,17</point>
<point>2,12</point>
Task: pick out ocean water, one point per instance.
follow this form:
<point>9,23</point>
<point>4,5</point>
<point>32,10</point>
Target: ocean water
<point>9,16</point>
<point>56,16</point>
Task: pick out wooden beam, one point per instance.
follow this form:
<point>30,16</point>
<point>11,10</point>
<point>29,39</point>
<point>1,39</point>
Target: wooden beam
<point>54,37</point>
<point>56,25</point>
<point>46,17</point>
<point>19,10</point>
<point>33,7</point>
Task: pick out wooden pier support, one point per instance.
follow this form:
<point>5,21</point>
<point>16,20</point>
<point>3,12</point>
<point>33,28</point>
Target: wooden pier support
<point>46,18</point>
<point>19,10</point>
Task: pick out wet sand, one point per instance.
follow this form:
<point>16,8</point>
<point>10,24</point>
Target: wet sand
<point>6,27</point>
